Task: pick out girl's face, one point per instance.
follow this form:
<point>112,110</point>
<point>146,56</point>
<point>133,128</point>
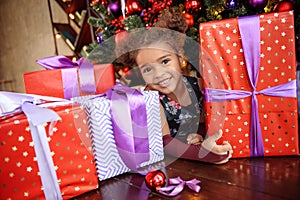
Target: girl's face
<point>160,68</point>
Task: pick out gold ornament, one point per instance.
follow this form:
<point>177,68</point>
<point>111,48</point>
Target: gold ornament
<point>184,63</point>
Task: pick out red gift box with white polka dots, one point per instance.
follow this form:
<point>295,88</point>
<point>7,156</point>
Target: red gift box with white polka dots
<point>274,130</point>
<point>69,145</point>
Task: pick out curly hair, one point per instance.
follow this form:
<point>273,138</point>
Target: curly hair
<point>174,21</point>
<point>170,29</point>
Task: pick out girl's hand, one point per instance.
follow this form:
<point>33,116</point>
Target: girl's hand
<point>223,149</point>
<point>194,138</point>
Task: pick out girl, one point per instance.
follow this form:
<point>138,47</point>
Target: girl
<point>159,55</point>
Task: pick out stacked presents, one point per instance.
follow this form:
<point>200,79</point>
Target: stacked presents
<point>54,148</point>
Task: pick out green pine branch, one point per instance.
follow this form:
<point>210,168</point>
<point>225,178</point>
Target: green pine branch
<point>133,22</point>
<point>97,22</point>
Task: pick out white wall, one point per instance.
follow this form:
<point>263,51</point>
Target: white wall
<point>25,36</point>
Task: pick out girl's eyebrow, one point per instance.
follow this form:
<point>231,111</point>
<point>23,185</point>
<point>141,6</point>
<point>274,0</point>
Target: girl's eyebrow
<point>143,66</point>
<point>158,59</point>
<point>163,57</point>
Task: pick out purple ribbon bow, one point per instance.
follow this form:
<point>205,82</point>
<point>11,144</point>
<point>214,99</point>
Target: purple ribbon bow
<point>250,35</point>
<point>37,116</point>
<point>176,185</point>
<point>129,121</point>
<point>69,74</point>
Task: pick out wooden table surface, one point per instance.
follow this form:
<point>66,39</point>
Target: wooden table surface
<point>249,178</point>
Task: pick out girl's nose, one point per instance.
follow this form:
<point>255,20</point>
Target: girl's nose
<point>157,71</point>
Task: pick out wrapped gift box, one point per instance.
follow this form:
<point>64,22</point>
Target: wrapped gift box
<point>109,163</point>
<point>73,161</point>
<point>62,79</point>
<point>249,69</point>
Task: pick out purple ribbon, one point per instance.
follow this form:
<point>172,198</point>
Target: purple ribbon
<point>129,121</point>
<point>36,116</point>
<point>69,74</point>
<point>176,185</point>
<point>250,35</point>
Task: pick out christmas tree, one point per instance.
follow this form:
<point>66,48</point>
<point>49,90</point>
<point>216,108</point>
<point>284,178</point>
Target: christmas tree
<point>117,16</point>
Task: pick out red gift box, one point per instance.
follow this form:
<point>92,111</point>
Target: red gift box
<point>73,161</point>
<point>63,79</point>
<point>249,71</point>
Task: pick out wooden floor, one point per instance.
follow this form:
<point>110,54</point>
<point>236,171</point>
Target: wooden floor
<point>251,178</point>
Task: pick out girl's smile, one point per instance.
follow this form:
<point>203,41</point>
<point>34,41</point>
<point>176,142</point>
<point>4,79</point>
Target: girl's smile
<point>164,83</point>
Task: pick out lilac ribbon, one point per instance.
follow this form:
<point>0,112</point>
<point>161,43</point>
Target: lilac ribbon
<point>70,82</point>
<point>250,35</point>
<point>176,185</point>
<point>36,116</point>
<point>69,74</point>
<point>129,121</point>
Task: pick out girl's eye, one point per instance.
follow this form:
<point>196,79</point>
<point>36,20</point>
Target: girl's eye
<point>165,61</point>
<point>147,69</point>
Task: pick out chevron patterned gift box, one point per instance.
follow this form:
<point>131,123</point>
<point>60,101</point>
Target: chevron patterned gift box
<point>108,160</point>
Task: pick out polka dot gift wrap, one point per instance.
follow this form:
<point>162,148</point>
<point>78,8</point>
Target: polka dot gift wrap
<point>73,161</point>
<point>249,70</point>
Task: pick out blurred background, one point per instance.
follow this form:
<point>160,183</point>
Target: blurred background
<point>25,36</point>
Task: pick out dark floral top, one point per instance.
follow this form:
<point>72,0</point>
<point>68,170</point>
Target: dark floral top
<point>184,120</point>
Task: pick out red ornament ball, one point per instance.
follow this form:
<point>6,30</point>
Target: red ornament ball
<point>94,2</point>
<point>189,19</point>
<point>155,179</point>
<point>104,2</point>
<point>284,6</point>
<point>192,6</point>
<point>133,7</point>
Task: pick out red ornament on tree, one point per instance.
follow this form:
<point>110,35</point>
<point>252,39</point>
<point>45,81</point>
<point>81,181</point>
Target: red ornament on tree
<point>94,2</point>
<point>133,7</point>
<point>192,6</point>
<point>155,179</point>
<point>284,5</point>
<point>189,19</point>
<point>104,2</point>
<point>154,11</point>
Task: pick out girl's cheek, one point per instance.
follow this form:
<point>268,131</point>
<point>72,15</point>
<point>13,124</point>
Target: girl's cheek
<point>146,78</point>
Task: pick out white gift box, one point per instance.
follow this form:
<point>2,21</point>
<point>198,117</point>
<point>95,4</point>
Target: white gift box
<point>108,160</point>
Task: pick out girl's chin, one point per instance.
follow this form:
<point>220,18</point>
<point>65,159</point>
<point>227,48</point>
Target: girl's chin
<point>164,90</point>
<point>161,89</point>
